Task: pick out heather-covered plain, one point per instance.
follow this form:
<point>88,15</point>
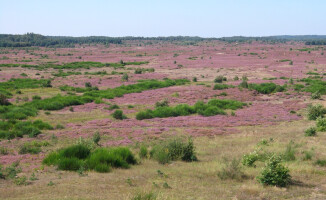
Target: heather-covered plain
<point>124,120</point>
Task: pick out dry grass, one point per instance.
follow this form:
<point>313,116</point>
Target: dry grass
<point>196,180</point>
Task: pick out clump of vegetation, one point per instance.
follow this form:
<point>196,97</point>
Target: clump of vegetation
<point>321,124</point>
<point>315,111</point>
<point>220,79</point>
<point>80,156</point>
<point>310,131</point>
<point>316,95</point>
<point>143,152</point>
<point>162,103</point>
<point>118,114</point>
<point>12,128</point>
<point>125,77</point>
<point>211,108</point>
<point>174,149</point>
<point>320,162</point>
<point>231,170</point>
<point>275,173</point>
<point>289,153</point>
<point>222,86</point>
<point>250,159</point>
<point>32,147</point>
<point>266,88</point>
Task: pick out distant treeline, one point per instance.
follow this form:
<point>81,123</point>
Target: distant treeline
<point>308,39</point>
<point>31,39</point>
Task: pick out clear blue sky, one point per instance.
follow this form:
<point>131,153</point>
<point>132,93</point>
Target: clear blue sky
<point>205,18</point>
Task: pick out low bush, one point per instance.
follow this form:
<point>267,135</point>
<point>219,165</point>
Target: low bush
<point>315,111</point>
<point>321,124</point>
<point>266,88</point>
<point>321,163</point>
<point>220,79</point>
<point>118,114</point>
<point>275,173</point>
<point>316,95</point>
<point>250,159</point>
<point>310,131</point>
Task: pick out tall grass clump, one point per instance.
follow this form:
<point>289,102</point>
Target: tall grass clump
<point>231,170</point>
<point>174,149</point>
<point>80,156</point>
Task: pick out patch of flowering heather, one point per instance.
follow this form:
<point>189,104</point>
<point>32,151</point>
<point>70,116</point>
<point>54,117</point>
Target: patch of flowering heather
<point>103,82</point>
<point>183,94</point>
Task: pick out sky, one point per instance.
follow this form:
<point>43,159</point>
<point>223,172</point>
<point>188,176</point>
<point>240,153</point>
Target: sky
<point>151,18</point>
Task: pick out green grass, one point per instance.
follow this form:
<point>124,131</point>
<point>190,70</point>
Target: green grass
<point>79,156</point>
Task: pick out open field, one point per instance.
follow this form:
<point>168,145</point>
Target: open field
<point>264,91</point>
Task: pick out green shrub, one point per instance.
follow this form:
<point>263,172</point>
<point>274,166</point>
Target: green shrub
<point>114,106</point>
<point>119,157</point>
<point>79,157</point>
<point>315,111</point>
<point>118,114</point>
<point>244,84</point>
<point>219,79</point>
<point>250,159</point>
<point>316,95</point>
<point>76,151</point>
<point>69,163</point>
<point>266,88</point>
<point>222,86</point>
<point>321,163</point>
<point>275,173</point>
<point>36,97</point>
<point>51,159</point>
<point>310,131</point>
<point>321,124</point>
<point>96,138</point>
<point>28,148</point>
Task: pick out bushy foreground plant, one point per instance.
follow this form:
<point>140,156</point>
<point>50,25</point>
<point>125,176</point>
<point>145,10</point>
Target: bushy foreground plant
<point>174,149</point>
<point>211,108</point>
<point>80,156</point>
<point>321,124</point>
<point>315,111</point>
<point>275,173</point>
